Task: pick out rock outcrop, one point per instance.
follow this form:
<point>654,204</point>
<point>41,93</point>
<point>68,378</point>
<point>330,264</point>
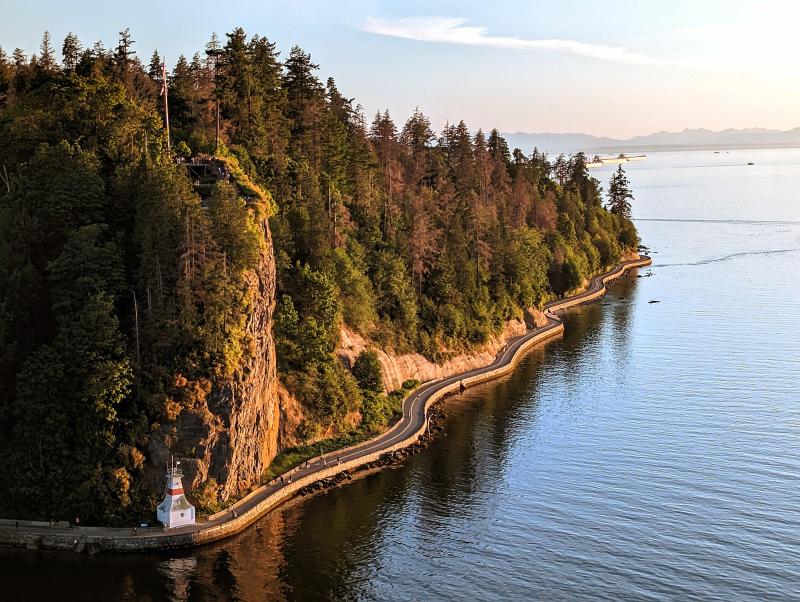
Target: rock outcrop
<point>291,419</point>
<point>236,433</point>
<point>248,406</point>
<point>400,368</point>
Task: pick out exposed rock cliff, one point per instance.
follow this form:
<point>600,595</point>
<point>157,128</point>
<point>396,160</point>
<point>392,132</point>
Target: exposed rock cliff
<point>291,419</point>
<point>399,368</point>
<point>248,406</point>
<point>234,435</point>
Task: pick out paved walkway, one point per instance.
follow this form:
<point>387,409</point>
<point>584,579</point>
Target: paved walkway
<point>412,424</point>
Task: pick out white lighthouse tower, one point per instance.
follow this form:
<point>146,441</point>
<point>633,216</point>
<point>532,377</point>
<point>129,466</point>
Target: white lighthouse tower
<point>175,510</point>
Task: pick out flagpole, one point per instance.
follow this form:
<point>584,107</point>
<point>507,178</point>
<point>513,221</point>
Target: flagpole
<point>165,92</point>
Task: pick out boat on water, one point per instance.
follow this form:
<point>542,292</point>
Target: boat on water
<point>598,161</point>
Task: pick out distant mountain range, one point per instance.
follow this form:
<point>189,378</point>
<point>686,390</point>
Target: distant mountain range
<point>687,139</point>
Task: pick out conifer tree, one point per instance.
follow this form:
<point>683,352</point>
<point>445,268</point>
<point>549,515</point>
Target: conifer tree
<point>19,59</point>
<point>47,60</point>
<point>124,50</point>
<point>154,69</point>
<point>619,194</point>
<point>70,52</point>
<point>271,126</point>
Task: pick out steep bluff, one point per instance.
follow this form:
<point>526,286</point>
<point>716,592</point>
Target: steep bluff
<point>399,368</point>
<point>234,435</point>
<point>248,405</point>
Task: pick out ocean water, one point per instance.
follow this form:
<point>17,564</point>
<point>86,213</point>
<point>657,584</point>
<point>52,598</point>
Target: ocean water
<point>653,453</point>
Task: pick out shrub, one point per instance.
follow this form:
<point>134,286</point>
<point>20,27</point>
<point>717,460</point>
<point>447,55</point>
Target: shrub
<point>206,497</point>
<point>368,372</point>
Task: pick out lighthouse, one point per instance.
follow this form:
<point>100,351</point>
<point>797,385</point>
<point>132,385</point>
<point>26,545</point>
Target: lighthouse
<point>175,510</point>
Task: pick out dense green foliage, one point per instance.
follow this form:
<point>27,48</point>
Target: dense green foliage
<point>122,296</point>
<point>368,372</point>
<point>619,194</point>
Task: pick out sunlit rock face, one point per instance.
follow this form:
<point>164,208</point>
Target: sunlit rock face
<point>234,435</point>
<point>400,368</point>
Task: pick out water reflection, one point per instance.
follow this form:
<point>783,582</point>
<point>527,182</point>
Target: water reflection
<point>178,575</point>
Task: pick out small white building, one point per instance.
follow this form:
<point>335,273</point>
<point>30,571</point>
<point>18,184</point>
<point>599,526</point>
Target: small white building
<point>175,510</point>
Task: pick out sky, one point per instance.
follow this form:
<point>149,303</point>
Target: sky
<point>614,68</point>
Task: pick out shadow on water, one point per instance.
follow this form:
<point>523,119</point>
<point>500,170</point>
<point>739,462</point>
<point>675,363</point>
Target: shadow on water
<point>340,545</point>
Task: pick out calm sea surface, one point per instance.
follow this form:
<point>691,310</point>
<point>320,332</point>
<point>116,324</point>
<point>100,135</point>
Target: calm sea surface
<point>651,454</point>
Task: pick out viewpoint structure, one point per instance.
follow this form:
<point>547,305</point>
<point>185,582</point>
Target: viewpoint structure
<point>175,510</point>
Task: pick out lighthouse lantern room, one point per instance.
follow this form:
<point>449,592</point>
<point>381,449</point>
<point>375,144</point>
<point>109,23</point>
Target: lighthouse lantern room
<point>175,510</point>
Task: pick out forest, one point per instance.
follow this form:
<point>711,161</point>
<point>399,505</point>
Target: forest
<point>122,297</point>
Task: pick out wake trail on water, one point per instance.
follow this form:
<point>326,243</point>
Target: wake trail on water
<point>728,257</point>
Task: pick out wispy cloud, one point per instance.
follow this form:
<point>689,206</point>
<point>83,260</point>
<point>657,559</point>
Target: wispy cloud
<point>456,30</point>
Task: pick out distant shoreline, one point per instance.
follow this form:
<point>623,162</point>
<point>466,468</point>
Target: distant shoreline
<point>695,147</point>
<point>664,141</point>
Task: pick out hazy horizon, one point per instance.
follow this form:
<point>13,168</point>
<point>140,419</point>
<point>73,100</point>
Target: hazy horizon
<point>662,131</point>
<point>619,69</point>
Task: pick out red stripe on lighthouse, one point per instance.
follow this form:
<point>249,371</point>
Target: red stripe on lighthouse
<point>174,491</point>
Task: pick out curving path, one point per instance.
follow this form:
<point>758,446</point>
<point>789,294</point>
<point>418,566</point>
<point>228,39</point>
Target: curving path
<point>405,432</point>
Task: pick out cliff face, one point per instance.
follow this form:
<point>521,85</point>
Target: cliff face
<point>399,368</point>
<point>234,435</point>
<point>248,406</point>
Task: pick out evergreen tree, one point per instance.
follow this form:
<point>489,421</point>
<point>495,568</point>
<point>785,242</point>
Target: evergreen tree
<point>154,69</point>
<point>619,194</point>
<point>70,52</point>
<point>181,96</point>
<point>19,60</point>
<point>124,51</point>
<point>47,60</point>
<point>271,126</point>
